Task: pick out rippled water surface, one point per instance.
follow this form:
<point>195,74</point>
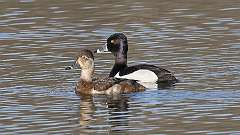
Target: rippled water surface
<point>197,40</point>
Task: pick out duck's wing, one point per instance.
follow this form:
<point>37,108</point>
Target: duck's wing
<point>121,85</point>
<point>102,84</point>
<point>129,86</point>
<point>163,74</point>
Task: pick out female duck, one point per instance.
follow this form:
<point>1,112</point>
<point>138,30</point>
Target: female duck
<point>118,45</point>
<point>108,85</point>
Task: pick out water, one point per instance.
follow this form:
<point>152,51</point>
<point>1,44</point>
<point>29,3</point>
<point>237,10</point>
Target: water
<point>197,40</point>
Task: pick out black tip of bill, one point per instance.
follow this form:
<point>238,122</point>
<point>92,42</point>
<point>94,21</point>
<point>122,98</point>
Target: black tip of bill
<point>68,68</point>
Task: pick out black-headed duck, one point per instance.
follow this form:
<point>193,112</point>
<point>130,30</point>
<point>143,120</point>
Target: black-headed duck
<point>107,85</point>
<point>117,44</point>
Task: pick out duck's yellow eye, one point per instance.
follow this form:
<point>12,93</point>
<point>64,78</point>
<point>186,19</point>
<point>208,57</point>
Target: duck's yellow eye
<point>112,41</point>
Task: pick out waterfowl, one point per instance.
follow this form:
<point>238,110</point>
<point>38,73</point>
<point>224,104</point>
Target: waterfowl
<point>117,44</point>
<point>108,85</point>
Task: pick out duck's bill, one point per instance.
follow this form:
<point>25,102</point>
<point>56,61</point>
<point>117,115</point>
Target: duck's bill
<point>103,49</point>
<point>69,68</point>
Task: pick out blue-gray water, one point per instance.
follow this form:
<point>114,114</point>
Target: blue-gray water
<point>197,40</point>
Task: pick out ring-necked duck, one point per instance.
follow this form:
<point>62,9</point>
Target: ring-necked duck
<point>118,45</point>
<point>107,85</point>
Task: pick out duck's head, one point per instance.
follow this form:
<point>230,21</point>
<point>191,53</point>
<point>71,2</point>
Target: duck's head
<point>85,59</point>
<point>116,43</point>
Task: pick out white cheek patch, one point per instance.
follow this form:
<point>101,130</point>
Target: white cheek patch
<point>141,75</point>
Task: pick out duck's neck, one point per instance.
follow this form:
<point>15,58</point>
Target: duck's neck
<point>121,54</point>
<point>119,66</point>
<point>86,75</point>
<point>120,59</point>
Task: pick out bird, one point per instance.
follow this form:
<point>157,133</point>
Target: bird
<point>117,44</point>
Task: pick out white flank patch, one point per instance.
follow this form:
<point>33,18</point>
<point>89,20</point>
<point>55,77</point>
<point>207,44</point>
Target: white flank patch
<point>142,75</point>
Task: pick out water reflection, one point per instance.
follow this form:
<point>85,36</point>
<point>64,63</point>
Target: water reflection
<point>114,111</point>
<point>86,110</point>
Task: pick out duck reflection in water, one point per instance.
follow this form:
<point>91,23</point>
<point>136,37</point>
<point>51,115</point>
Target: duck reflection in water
<point>103,110</point>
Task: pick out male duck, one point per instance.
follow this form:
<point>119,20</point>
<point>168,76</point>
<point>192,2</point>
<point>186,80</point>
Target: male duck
<point>107,85</point>
<point>118,45</point>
